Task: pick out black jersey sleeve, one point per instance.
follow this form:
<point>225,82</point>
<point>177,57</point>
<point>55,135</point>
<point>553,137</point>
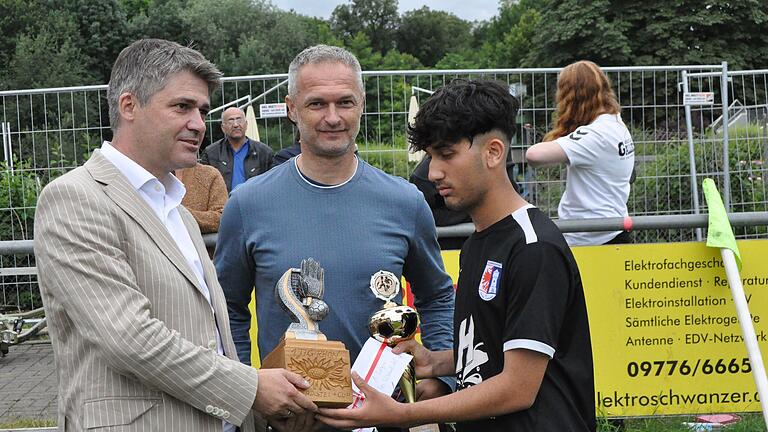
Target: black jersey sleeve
<point>537,298</point>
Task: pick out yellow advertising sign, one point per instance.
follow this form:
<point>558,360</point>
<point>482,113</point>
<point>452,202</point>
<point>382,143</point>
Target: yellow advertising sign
<point>665,337</point>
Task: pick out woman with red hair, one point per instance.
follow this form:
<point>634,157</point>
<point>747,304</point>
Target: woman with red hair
<point>592,140</point>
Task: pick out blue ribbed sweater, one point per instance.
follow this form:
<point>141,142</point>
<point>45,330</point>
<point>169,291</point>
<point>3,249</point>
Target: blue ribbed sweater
<point>373,222</point>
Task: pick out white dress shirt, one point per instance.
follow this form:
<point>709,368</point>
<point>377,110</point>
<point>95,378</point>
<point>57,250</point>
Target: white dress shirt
<point>164,197</point>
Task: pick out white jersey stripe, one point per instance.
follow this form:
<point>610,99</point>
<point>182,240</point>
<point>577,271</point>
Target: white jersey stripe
<point>522,219</point>
<point>531,345</point>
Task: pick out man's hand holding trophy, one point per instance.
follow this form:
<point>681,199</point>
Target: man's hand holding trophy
<point>304,349</point>
<point>326,365</point>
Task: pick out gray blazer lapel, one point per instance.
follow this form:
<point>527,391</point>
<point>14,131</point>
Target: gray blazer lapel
<point>119,190</point>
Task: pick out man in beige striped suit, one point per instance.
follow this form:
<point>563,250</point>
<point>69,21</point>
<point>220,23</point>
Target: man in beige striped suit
<point>138,321</point>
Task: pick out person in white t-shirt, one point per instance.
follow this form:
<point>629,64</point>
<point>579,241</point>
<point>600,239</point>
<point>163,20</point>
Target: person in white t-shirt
<point>592,140</point>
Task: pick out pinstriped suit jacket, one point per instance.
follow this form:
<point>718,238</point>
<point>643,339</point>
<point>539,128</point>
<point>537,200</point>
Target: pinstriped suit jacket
<point>134,338</point>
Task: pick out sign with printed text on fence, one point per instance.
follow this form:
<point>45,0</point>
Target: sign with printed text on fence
<point>273,110</point>
<point>665,336</point>
<point>699,98</point>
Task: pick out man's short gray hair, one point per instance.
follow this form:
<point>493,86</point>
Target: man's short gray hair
<point>144,67</point>
<point>321,54</point>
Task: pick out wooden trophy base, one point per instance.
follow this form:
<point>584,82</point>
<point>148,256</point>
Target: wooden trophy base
<point>325,364</point>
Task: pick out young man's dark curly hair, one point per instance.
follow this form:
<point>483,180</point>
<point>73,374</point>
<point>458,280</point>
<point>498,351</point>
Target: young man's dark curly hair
<point>464,109</point>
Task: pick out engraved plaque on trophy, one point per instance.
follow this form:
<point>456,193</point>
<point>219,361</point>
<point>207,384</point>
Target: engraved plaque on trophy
<point>304,349</point>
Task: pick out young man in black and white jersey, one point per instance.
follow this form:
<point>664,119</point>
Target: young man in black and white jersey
<point>522,352</point>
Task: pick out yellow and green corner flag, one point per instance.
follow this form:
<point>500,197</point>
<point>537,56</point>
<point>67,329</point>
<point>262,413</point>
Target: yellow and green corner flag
<point>719,234</point>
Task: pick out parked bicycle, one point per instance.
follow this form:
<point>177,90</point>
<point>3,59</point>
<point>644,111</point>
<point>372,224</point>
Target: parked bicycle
<point>20,327</point>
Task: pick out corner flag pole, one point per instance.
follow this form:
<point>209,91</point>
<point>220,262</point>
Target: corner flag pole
<point>720,235</point>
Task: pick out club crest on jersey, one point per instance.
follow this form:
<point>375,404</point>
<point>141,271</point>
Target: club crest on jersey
<point>489,283</point>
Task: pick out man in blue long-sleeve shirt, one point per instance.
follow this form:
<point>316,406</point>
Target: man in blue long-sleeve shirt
<point>332,206</point>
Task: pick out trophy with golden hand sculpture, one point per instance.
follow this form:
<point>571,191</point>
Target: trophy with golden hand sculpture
<point>393,324</point>
<point>304,349</point>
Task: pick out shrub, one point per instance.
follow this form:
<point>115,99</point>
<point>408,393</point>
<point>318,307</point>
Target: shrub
<point>392,159</point>
<point>18,195</point>
<point>663,183</point>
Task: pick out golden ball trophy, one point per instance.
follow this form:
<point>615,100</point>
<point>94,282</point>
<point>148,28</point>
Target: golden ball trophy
<point>304,349</point>
<point>393,324</point>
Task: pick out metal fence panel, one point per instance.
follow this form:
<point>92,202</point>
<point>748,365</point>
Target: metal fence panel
<point>748,135</point>
<point>48,132</point>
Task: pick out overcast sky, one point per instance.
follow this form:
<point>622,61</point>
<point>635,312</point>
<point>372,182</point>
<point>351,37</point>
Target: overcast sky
<point>470,10</point>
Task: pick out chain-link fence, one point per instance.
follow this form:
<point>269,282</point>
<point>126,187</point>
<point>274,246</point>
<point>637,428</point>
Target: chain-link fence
<point>48,132</point>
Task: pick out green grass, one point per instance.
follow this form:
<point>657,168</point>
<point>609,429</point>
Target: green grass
<point>391,160</point>
<point>27,423</point>
<point>750,422</point>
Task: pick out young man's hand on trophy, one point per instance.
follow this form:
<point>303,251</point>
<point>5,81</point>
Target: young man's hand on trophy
<point>379,409</point>
<point>427,364</point>
<point>424,362</point>
<point>428,386</point>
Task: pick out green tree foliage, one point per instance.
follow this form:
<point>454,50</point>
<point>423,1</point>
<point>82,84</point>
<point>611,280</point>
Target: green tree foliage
<point>652,32</point>
<point>595,30</point>
<point>17,18</point>
<point>40,46</point>
<point>221,27</point>
<point>103,30</point>
<point>510,15</point>
<point>271,51</point>
<point>464,59</point>
<point>663,184</point>
<point>693,32</point>
<point>514,44</point>
<point>243,37</point>
<point>47,58</point>
<point>384,94</point>
<point>320,32</point>
<point>82,38</point>
<point>429,34</point>
<point>370,59</point>
<point>377,19</point>
<point>161,19</point>
<point>133,8</point>
<point>77,40</point>
<point>80,35</point>
<point>290,33</point>
<point>501,42</point>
